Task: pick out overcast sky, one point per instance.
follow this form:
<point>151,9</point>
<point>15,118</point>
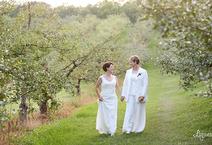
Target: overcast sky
<point>56,3</point>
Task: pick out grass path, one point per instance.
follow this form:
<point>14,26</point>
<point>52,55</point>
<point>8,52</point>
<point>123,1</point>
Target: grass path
<point>173,116</point>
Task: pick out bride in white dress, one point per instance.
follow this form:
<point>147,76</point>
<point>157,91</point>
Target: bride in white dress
<point>106,85</point>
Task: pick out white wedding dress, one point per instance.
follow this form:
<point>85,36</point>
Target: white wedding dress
<point>106,120</point>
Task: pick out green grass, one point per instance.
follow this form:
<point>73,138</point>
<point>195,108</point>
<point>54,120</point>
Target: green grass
<point>173,116</point>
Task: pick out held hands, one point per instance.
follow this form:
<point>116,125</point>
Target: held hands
<point>100,98</point>
<point>122,98</point>
<point>141,99</point>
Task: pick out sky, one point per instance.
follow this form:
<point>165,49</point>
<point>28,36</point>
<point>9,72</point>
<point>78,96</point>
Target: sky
<point>55,3</point>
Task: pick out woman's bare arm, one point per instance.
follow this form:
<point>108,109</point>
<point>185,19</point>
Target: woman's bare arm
<point>98,83</point>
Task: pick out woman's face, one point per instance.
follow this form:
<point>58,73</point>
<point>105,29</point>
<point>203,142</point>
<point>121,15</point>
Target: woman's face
<point>132,64</point>
<point>111,68</point>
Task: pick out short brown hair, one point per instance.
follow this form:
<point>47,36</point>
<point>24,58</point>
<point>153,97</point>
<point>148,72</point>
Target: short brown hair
<point>106,65</point>
<point>135,59</point>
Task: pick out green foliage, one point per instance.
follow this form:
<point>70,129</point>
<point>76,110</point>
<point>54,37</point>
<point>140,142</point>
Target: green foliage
<point>24,45</point>
<point>45,50</point>
<point>90,42</point>
<point>103,10</point>
<point>107,8</point>
<point>186,29</point>
<point>132,11</point>
<point>3,114</point>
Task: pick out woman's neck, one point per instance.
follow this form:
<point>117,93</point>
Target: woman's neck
<point>135,68</point>
<point>108,73</point>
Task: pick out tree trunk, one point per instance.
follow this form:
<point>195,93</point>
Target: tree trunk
<point>43,107</point>
<point>23,110</point>
<point>44,104</point>
<point>78,87</point>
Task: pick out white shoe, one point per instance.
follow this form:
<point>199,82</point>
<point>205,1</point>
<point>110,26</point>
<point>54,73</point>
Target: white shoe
<point>127,132</point>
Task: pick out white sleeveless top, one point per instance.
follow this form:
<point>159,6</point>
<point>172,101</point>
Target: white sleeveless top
<point>108,87</point>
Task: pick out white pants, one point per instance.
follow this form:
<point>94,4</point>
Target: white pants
<point>135,116</point>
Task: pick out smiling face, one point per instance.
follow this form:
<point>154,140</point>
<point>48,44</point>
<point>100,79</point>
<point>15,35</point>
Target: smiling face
<point>132,63</point>
<point>110,68</point>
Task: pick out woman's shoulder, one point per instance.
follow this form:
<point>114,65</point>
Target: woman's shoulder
<point>101,77</point>
<point>129,70</point>
<point>143,70</point>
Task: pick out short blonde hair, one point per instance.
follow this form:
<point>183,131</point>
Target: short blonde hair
<point>135,59</point>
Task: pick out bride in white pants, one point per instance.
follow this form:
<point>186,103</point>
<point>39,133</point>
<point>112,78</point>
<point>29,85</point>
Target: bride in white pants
<point>135,92</point>
<point>106,121</point>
